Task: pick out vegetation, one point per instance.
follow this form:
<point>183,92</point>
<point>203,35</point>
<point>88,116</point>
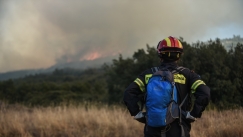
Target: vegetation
<point>221,70</point>
<point>102,121</point>
<point>58,103</point>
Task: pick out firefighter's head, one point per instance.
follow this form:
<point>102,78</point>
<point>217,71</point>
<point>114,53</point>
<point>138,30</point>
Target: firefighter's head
<point>170,49</point>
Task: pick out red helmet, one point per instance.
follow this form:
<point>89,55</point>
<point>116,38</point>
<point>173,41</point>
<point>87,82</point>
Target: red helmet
<point>170,49</point>
<point>170,44</point>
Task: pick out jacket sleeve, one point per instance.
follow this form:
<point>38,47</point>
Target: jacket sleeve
<point>131,98</point>
<point>202,96</point>
<point>133,93</point>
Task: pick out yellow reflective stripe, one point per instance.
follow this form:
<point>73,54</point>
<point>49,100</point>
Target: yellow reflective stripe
<point>140,81</point>
<point>140,84</point>
<point>180,45</point>
<point>179,78</point>
<point>196,84</point>
<point>147,77</point>
<point>168,42</point>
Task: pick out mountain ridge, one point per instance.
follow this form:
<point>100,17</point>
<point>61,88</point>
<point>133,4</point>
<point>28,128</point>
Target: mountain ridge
<point>81,65</point>
<point>226,42</point>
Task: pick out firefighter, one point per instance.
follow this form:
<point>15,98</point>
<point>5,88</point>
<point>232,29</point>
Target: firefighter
<point>188,83</point>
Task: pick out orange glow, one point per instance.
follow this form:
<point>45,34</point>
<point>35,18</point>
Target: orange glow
<point>91,56</point>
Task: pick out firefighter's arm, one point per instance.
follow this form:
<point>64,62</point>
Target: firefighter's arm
<point>132,93</point>
<point>202,95</point>
<point>131,98</point>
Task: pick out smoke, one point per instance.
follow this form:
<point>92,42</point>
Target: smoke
<point>38,34</point>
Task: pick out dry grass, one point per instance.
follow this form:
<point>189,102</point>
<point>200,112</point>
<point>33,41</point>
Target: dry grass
<point>63,121</point>
<point>80,121</point>
<point>213,123</point>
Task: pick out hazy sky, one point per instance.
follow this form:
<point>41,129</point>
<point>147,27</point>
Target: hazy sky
<point>41,33</point>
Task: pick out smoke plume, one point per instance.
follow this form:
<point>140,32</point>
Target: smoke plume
<point>38,34</point>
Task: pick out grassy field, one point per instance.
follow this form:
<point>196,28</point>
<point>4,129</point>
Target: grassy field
<point>91,121</point>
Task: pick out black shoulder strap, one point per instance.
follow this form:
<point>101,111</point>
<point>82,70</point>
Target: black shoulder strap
<point>178,69</point>
<point>155,69</point>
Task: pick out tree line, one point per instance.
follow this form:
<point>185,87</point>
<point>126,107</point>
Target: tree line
<point>221,70</point>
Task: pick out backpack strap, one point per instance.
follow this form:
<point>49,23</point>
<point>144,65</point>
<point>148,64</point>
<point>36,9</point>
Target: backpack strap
<point>177,70</point>
<point>180,120</point>
<point>155,69</point>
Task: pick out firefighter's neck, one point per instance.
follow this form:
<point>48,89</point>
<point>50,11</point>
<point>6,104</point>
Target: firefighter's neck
<point>168,61</point>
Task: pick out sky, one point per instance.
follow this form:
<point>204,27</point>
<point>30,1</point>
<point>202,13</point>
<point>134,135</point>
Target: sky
<point>38,34</point>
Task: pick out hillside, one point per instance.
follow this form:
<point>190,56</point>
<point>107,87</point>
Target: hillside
<point>81,65</point>
<point>229,42</point>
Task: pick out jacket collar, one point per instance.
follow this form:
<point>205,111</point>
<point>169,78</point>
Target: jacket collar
<point>169,64</point>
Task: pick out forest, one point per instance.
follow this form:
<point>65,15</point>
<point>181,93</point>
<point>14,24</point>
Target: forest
<point>219,68</point>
